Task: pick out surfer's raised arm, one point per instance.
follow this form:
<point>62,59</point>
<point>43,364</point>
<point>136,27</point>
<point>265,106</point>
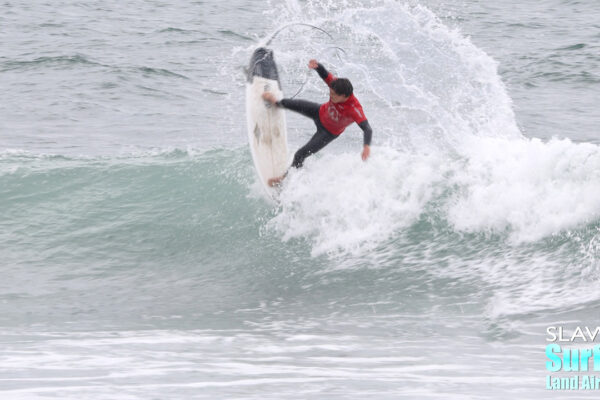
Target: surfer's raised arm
<point>323,73</point>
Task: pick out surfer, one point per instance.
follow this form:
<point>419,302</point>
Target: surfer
<point>331,118</point>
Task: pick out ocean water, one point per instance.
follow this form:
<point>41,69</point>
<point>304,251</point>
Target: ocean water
<point>141,260</point>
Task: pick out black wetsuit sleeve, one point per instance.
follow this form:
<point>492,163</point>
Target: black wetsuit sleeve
<point>322,71</point>
<point>367,132</point>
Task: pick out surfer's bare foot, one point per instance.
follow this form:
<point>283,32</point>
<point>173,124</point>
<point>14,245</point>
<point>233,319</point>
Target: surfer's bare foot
<point>270,97</point>
<point>275,181</point>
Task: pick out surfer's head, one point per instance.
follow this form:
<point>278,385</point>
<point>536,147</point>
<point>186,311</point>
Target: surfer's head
<point>340,89</point>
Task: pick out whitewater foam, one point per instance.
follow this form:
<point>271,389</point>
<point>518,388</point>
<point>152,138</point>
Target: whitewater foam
<point>449,146</point>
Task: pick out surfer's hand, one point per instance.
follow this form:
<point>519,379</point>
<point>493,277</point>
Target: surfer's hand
<point>366,151</point>
<point>270,97</point>
<point>313,64</point>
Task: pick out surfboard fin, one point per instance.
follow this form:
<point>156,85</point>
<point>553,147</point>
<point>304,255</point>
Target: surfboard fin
<point>257,132</point>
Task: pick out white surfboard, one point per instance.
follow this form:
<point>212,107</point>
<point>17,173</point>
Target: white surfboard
<point>267,132</point>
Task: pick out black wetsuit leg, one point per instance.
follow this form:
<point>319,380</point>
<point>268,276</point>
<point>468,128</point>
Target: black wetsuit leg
<point>304,107</point>
<point>320,139</point>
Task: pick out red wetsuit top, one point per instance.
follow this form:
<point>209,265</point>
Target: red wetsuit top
<point>335,117</point>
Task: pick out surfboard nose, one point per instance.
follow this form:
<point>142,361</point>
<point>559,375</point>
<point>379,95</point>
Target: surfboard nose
<point>262,63</point>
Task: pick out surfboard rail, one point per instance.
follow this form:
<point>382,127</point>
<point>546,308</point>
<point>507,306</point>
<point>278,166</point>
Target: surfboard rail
<point>266,124</point>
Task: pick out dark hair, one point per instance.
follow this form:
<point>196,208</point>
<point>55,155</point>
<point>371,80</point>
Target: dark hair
<point>342,86</point>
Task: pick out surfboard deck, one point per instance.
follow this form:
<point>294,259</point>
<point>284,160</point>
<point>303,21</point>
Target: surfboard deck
<point>267,132</point>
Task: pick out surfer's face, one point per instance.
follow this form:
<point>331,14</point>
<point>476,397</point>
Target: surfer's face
<point>336,98</point>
